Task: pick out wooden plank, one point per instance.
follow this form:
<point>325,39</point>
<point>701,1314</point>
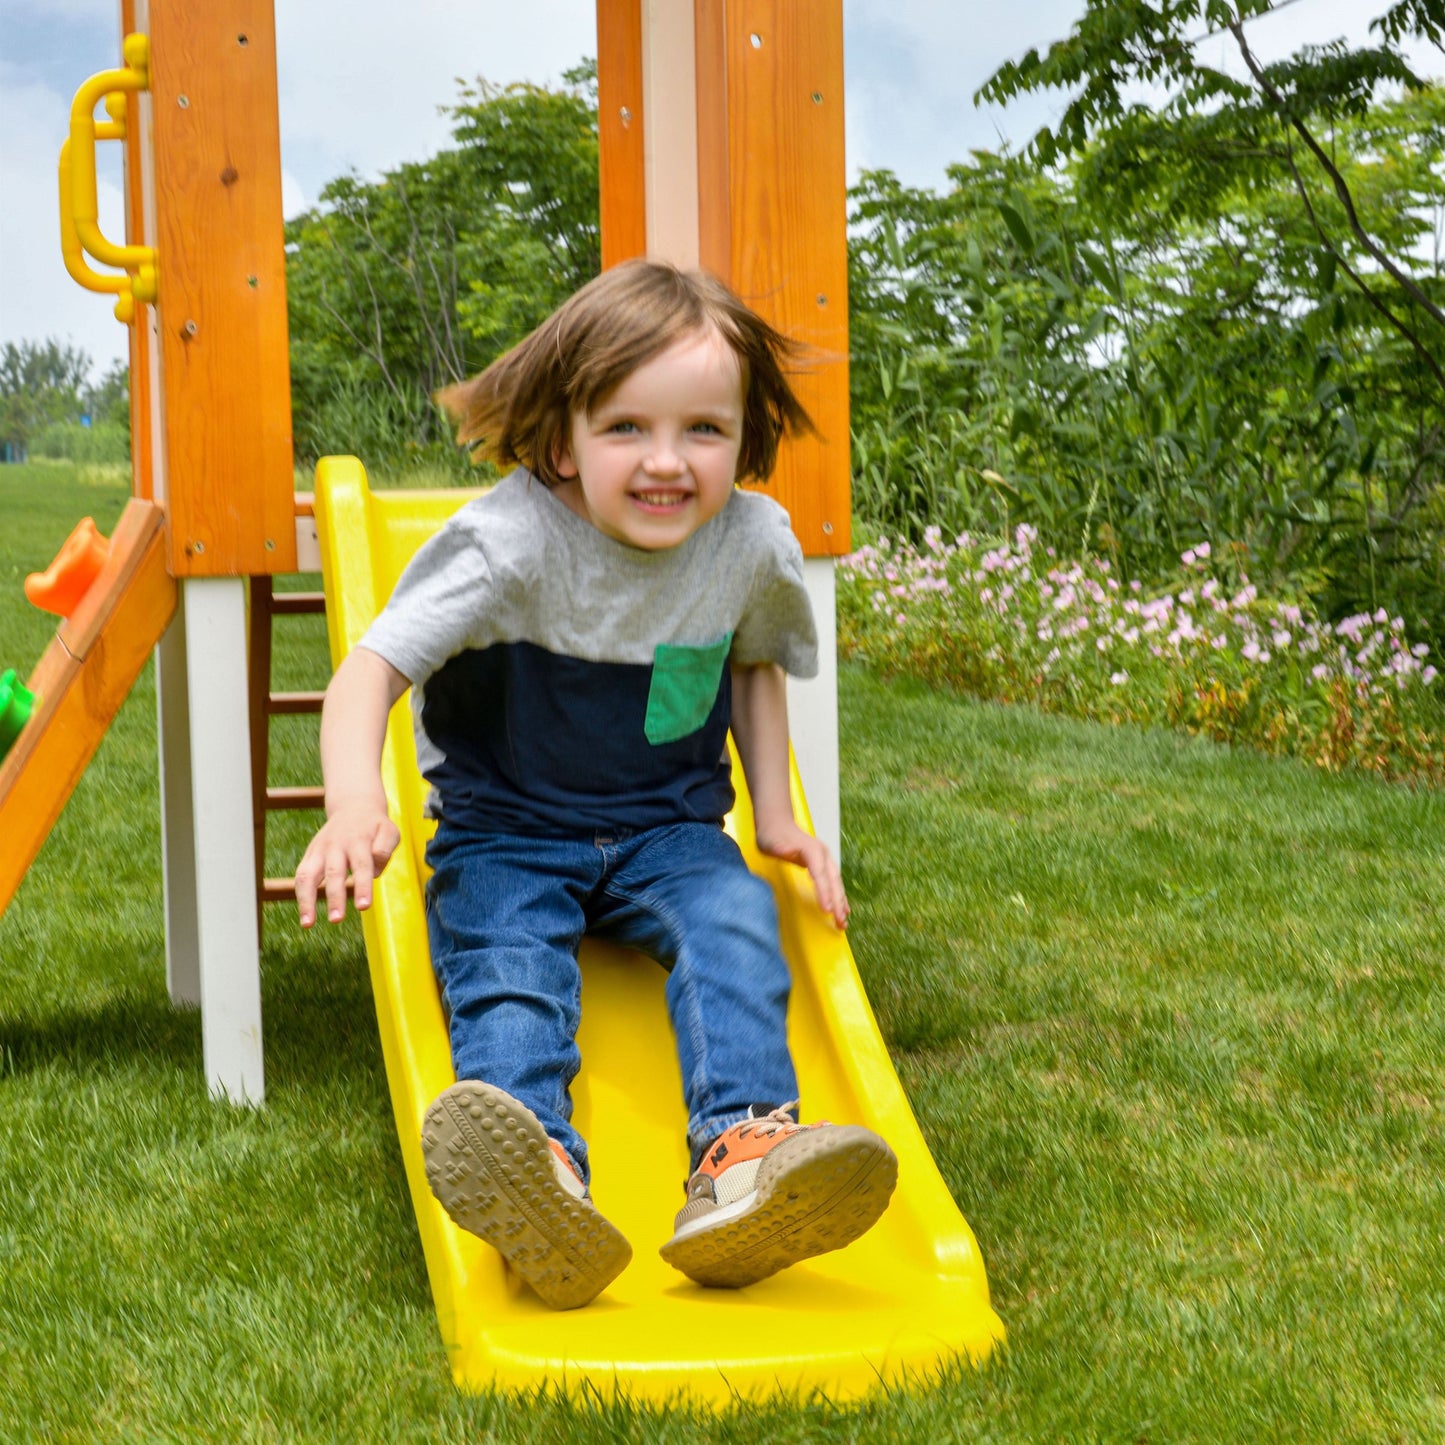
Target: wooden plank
<point>787,251</point>
<point>295,798</point>
<point>620,119</point>
<point>142,341</point>
<point>285,703</point>
<point>714,204</point>
<point>139,524</point>
<point>283,890</point>
<point>222,288</point>
<point>77,699</point>
<point>297,604</point>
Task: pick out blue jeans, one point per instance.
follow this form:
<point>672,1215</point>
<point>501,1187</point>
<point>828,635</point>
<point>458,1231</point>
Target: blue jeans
<point>506,915</point>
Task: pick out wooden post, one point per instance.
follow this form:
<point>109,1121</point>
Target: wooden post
<point>742,108</point>
<point>142,333</point>
<point>621,128</point>
<point>220,460</point>
<point>772,204</point>
<point>221,306</point>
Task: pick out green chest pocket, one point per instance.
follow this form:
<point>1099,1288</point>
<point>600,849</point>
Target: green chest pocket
<point>684,688</point>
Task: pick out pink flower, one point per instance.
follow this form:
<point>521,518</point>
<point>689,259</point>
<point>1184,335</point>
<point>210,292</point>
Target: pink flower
<point>1118,679</point>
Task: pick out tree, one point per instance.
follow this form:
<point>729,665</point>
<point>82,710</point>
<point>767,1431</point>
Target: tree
<point>399,286</point>
<point>1141,369</point>
<point>1216,133</point>
<point>40,383</point>
<point>1299,200</point>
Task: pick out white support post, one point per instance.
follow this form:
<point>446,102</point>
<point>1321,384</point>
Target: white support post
<point>228,945</point>
<point>813,710</point>
<point>178,843</point>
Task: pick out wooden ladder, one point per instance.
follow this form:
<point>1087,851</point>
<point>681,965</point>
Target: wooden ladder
<point>266,605</point>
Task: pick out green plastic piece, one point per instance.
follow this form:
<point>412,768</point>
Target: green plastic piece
<point>16,702</point>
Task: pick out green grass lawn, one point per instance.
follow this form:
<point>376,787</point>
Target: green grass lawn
<point>1171,1017</point>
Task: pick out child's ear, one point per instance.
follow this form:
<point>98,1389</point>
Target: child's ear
<point>562,462</point>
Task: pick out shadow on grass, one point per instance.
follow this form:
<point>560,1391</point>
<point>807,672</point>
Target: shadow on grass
<point>318,1026</point>
<point>120,1028</point>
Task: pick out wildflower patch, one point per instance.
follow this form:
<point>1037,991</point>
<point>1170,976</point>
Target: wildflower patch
<point>1010,622</point>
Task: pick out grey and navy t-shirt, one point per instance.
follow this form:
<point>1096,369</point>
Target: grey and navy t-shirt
<point>564,683</point>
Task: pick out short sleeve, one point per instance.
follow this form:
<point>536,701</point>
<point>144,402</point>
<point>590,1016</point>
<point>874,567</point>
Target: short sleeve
<point>437,605</point>
<point>777,625</point>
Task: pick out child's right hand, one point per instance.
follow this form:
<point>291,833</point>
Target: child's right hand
<point>359,839</point>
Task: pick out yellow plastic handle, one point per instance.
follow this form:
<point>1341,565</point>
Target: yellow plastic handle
<point>79,205</point>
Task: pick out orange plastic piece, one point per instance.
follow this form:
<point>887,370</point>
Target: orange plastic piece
<point>62,586</point>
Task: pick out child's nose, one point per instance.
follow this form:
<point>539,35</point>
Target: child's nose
<point>663,460</point>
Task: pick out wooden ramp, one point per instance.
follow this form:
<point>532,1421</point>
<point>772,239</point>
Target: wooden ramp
<point>895,1306</point>
<point>80,683</point>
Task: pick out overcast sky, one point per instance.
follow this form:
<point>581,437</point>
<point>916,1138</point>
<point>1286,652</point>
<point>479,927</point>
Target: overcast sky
<point>361,82</point>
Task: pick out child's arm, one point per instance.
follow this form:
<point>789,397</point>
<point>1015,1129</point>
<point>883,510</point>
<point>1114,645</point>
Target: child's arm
<point>358,836</point>
<point>760,729</point>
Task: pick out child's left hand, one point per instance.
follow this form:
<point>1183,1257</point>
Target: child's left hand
<point>786,840</point>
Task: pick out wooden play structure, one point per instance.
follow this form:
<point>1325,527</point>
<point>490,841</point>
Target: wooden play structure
<point>737,103</point>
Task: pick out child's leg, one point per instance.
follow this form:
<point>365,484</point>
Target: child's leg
<point>765,1192</point>
<point>505,919</point>
<point>684,896</point>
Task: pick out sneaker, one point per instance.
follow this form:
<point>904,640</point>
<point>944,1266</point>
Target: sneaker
<point>495,1171</point>
<point>771,1191</point>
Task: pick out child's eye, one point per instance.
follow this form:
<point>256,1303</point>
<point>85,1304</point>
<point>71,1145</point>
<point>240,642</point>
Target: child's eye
<point>710,428</point>
<point>625,428</point>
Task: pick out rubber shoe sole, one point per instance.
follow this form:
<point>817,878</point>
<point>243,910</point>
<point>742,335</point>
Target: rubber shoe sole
<point>815,1192</point>
<point>490,1164</point>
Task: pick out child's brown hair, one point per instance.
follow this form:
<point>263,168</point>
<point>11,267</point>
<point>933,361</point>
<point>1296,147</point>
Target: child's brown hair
<point>518,409</point>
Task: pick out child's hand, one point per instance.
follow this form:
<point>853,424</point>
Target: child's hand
<point>786,840</point>
<point>359,839</point>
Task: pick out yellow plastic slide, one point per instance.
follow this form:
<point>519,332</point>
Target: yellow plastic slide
<point>895,1306</point>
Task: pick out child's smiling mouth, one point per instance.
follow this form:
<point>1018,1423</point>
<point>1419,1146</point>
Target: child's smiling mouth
<point>664,501</point>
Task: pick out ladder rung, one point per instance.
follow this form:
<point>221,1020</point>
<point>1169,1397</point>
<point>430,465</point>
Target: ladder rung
<point>291,702</point>
<point>283,890</point>
<point>292,604</point>
<point>277,798</point>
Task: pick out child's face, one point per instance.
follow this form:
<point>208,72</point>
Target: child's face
<point>658,456</point>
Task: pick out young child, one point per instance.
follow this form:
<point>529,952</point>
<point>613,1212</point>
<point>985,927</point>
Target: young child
<point>578,642</point>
